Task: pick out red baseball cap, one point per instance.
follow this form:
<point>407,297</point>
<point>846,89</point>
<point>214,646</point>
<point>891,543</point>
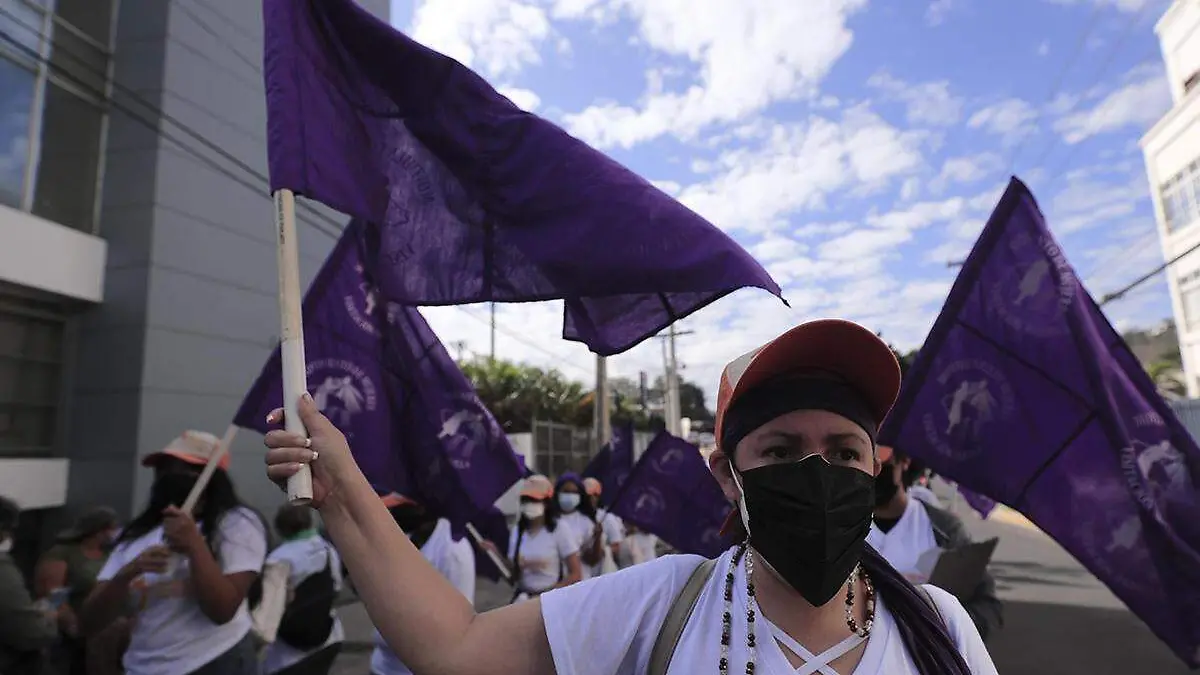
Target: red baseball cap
<point>192,447</point>
<point>836,346</point>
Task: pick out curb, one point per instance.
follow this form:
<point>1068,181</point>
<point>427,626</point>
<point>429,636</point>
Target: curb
<point>1008,516</point>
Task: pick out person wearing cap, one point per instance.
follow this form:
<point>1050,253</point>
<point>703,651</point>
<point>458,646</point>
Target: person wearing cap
<point>27,628</point>
<point>544,553</point>
<point>796,422</point>
<point>611,523</point>
<point>455,560</point>
<point>70,568</point>
<point>906,528</point>
<point>188,578</point>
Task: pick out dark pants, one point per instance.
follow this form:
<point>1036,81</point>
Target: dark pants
<point>317,663</point>
<point>241,659</point>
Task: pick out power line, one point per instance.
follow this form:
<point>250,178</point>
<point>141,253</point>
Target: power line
<point>1117,295</point>
<point>334,229</point>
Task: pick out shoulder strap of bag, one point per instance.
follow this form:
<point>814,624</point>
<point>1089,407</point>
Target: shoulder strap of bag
<point>677,618</point>
<point>924,593</point>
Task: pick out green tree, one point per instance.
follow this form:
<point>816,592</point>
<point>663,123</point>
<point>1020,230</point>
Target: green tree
<point>517,393</point>
<point>1167,375</point>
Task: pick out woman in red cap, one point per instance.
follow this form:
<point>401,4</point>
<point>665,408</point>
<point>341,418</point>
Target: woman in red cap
<point>802,593</point>
<point>188,578</point>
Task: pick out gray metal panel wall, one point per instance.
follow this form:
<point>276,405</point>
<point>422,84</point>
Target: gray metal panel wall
<point>188,330</point>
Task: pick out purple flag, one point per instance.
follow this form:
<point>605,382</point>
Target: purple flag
<point>672,494</point>
<point>474,199</point>
<point>612,465</point>
<point>380,374</point>
<point>982,505</point>
<point>1023,391</point>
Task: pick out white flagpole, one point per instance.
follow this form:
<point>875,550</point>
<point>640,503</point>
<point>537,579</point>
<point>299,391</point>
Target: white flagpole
<point>291,342</point>
<point>490,553</point>
<point>209,469</point>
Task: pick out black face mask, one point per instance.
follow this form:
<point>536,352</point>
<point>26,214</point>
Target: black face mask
<point>171,489</point>
<point>885,485</point>
<point>808,520</point>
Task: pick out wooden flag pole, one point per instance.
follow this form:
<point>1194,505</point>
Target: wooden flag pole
<point>490,553</point>
<point>214,460</point>
<point>291,340</point>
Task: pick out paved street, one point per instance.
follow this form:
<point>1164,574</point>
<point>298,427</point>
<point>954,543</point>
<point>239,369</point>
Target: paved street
<point>1058,619</point>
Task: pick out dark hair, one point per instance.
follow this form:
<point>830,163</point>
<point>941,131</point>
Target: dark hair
<point>219,499</point>
<point>10,513</point>
<point>551,516</point>
<point>291,520</point>
<point>586,507</point>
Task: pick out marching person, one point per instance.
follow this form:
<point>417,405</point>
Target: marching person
<point>455,560</point>
<point>611,523</point>
<point>542,553</point>
<point>578,513</point>
<point>796,422</point>
<point>188,578</point>
<point>27,628</point>
<point>314,580</point>
<point>906,528</point>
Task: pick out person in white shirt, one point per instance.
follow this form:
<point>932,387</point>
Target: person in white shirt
<point>904,529</point>
<point>306,553</point>
<point>796,421</point>
<point>187,579</point>
<point>543,553</point>
<point>611,523</point>
<point>453,559</point>
<point>639,547</point>
<point>578,512</point>
<point>916,477</point>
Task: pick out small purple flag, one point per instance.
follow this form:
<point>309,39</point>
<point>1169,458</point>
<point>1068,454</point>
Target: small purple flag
<point>474,199</point>
<point>672,494</point>
<point>380,374</point>
<point>982,505</point>
<point>1023,391</point>
<point>612,465</point>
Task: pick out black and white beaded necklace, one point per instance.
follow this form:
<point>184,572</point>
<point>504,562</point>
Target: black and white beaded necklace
<point>743,550</point>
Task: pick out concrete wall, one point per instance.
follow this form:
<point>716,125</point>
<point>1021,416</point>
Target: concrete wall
<point>190,311</point>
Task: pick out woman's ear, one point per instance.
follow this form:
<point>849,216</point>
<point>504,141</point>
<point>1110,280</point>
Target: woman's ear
<point>718,463</point>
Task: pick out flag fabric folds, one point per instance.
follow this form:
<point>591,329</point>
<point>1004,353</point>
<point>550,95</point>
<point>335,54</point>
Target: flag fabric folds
<point>472,198</point>
<point>1025,393</point>
<point>982,505</point>
<point>672,494</point>
<point>612,465</point>
<point>379,373</point>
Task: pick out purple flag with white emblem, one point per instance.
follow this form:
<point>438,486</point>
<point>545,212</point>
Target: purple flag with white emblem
<point>474,199</point>
<point>672,494</point>
<point>1023,391</point>
<point>612,465</point>
<point>379,373</point>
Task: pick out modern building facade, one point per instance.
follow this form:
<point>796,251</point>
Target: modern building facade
<point>137,261</point>
<point>1172,154</point>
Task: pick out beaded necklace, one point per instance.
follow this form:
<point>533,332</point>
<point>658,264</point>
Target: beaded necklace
<point>743,550</point>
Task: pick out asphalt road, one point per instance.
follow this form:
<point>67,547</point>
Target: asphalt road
<point>1059,620</point>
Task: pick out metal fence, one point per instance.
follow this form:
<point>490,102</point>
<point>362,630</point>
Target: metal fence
<point>1188,412</point>
<point>558,448</point>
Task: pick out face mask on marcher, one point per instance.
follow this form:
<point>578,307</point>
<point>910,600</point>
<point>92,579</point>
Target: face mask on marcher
<point>569,501</point>
<point>808,520</point>
<point>533,510</point>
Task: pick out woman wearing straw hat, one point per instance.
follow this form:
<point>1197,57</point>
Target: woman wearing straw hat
<point>188,578</point>
<point>796,423</point>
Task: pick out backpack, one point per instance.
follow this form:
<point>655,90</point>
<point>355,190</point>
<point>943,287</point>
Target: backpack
<point>308,619</point>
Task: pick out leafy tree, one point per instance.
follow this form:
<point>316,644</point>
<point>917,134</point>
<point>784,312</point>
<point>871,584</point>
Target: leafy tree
<point>1167,375</point>
<point>517,393</point>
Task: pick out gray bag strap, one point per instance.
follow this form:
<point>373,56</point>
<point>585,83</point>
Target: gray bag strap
<point>677,618</point>
<point>924,593</point>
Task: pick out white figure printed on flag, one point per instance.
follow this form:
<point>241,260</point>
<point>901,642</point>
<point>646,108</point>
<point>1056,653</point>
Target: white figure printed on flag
<point>339,399</point>
<point>454,423</point>
<point>1031,282</point>
<point>970,407</point>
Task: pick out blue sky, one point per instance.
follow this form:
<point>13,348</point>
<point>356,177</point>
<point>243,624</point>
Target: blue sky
<point>854,146</point>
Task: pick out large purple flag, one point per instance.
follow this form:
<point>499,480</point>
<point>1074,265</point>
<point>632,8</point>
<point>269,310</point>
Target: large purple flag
<point>672,494</point>
<point>1024,392</point>
<point>474,199</point>
<point>612,465</point>
<point>380,374</point>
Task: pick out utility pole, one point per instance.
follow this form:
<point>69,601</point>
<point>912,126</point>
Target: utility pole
<point>672,408</point>
<point>603,426</point>
<point>493,351</point>
<point>461,347</point>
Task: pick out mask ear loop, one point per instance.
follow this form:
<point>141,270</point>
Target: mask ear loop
<point>741,502</point>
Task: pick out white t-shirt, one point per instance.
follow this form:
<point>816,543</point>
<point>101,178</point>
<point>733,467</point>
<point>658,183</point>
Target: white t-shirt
<point>926,495</point>
<point>456,561</point>
<point>305,557</point>
<point>171,634</point>
<point>584,529</point>
<point>549,549</point>
<point>608,626</point>
<point>614,527</point>
<point>909,539</point>
<point>638,548</point>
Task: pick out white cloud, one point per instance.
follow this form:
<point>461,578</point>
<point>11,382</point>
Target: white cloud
<point>523,98</point>
<point>936,13</point>
<point>798,165</point>
<point>747,54</point>
<point>497,37</point>
<point>965,170</point>
<point>1093,198</point>
<point>927,103</point>
<point>1043,48</point>
<point>1120,5</point>
<point>1010,119</point>
<point>1140,102</point>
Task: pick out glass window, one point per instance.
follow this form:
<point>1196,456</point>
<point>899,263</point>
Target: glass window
<point>21,23</point>
<point>78,62</point>
<point>1190,299</point>
<point>17,87</point>
<point>31,349</point>
<point>92,17</point>
<point>69,163</point>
